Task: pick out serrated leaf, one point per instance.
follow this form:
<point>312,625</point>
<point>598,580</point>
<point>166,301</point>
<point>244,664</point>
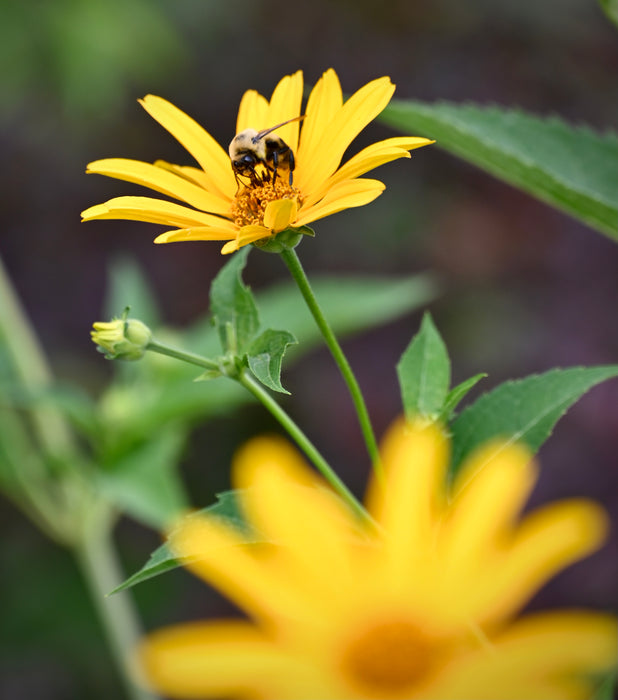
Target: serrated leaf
<point>424,372</point>
<point>610,7</point>
<point>524,410</point>
<point>265,355</point>
<point>232,305</point>
<point>456,394</point>
<point>162,559</point>
<point>571,168</point>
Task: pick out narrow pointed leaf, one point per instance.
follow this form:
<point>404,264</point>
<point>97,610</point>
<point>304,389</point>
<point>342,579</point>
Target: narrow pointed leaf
<point>524,410</point>
<point>571,168</point>
<point>424,372</point>
<point>456,394</point>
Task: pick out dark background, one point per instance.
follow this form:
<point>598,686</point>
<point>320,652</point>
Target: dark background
<point>524,288</point>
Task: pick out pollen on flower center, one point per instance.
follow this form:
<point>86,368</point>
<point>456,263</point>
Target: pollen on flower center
<point>250,203</point>
<point>389,659</point>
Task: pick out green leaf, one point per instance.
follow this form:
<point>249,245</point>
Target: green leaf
<point>571,168</point>
<point>524,410</point>
<point>265,355</point>
<point>610,7</point>
<point>162,560</point>
<point>456,394</point>
<point>144,482</point>
<point>605,689</point>
<point>424,372</point>
<point>233,306</point>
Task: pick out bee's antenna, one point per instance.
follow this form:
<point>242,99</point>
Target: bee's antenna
<point>261,134</point>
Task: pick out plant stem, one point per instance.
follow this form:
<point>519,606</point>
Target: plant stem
<point>97,558</point>
<point>284,419</point>
<point>303,442</point>
<point>294,265</point>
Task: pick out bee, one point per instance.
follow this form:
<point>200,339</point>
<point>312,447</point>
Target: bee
<point>250,148</point>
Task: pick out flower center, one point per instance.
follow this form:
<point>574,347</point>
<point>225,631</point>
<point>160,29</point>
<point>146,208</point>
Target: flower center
<point>389,659</point>
<point>250,203</point>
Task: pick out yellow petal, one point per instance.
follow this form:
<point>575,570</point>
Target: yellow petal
<point>223,558</point>
<point>550,656</point>
<point>344,195</point>
<point>279,214</point>
<point>324,102</point>
<point>162,180</point>
<point>369,158</point>
<point>214,659</point>
<point>350,120</point>
<point>415,462</point>
<point>285,104</point>
<point>252,113</point>
<point>547,541</point>
<point>156,211</point>
<point>245,236</point>
<point>196,233</point>
<point>292,507</point>
<point>212,158</point>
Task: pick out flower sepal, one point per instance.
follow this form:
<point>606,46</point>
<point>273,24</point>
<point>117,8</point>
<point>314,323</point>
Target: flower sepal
<point>284,240</point>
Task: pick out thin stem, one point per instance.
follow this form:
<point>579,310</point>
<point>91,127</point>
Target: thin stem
<point>97,558</point>
<point>294,265</point>
<point>189,357</point>
<point>303,442</point>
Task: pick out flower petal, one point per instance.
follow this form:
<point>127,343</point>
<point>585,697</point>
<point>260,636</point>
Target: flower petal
<point>213,659</point>
<point>162,180</point>
<point>156,211</point>
<point>285,104</point>
<point>344,195</point>
<point>246,235</point>
<point>196,233</point>
<point>369,158</point>
<point>324,102</point>
<point>212,158</point>
<point>348,122</point>
<point>279,214</point>
<point>252,112</point>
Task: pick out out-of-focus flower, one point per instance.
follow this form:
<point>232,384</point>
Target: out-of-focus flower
<point>424,605</point>
<point>121,338</point>
<point>221,207</point>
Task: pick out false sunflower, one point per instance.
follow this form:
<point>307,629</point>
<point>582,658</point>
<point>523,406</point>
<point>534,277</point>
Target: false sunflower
<point>422,605</point>
<point>217,207</point>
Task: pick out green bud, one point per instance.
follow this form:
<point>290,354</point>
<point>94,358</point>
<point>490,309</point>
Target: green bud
<point>121,338</point>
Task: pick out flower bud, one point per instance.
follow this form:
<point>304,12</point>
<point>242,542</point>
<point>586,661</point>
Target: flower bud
<point>121,338</point>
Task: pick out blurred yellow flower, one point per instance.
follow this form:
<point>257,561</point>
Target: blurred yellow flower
<point>422,606</point>
<point>221,209</point>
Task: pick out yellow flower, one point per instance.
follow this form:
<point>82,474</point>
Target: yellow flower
<point>423,605</point>
<point>218,207</point>
<point>123,338</point>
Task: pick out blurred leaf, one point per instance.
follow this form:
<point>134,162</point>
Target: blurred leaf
<point>162,559</point>
<point>524,410</point>
<point>424,372</point>
<point>456,394</point>
<point>144,482</point>
<point>571,168</point>
<point>232,304</point>
<point>350,304</point>
<point>129,287</point>
<point>610,7</point>
<point>606,688</point>
<point>265,355</point>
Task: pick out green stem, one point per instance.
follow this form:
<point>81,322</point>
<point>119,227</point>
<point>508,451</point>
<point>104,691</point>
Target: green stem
<point>294,265</point>
<point>303,442</point>
<point>97,558</point>
<point>273,407</point>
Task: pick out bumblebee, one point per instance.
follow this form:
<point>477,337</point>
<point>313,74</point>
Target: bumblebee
<point>250,148</point>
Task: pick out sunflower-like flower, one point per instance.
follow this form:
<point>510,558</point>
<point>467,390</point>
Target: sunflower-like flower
<point>422,605</point>
<point>221,207</point>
